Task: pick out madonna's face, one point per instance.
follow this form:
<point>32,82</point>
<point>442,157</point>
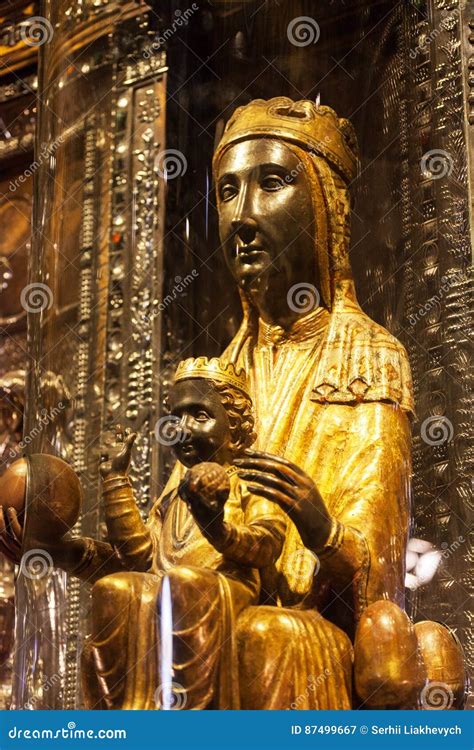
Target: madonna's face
<point>266,221</point>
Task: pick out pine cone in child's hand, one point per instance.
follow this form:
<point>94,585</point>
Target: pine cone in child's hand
<point>205,488</point>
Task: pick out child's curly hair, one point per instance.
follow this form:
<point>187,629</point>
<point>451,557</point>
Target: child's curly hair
<point>239,411</point>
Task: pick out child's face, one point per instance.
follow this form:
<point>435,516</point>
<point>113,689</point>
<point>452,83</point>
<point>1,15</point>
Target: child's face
<point>205,433</point>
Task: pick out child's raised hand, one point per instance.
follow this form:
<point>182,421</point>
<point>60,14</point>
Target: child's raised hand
<point>117,452</point>
<point>205,489</point>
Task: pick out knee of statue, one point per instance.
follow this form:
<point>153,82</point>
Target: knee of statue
<point>258,630</point>
<point>54,498</point>
<point>387,663</point>
<point>110,597</point>
<point>110,587</point>
<point>188,587</point>
<point>443,657</point>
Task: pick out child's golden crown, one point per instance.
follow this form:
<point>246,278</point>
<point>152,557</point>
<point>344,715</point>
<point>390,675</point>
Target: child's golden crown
<point>212,369</point>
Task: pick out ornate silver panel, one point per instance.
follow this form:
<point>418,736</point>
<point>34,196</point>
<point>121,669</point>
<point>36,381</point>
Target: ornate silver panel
<point>438,329</point>
<point>98,254</point>
<point>395,70</point>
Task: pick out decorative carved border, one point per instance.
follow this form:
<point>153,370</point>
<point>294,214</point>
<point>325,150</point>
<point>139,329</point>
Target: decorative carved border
<point>436,217</point>
<point>133,330</point>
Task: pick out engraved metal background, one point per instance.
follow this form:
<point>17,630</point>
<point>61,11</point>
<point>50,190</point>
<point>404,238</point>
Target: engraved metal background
<point>97,251</point>
<point>439,224</point>
<point>110,254</point>
<point>17,122</point>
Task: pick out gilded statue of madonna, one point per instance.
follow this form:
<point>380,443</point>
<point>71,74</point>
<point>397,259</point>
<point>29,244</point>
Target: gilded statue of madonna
<point>322,604</point>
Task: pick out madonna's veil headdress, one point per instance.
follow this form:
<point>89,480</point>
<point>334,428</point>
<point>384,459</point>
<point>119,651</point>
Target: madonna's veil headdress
<point>360,360</point>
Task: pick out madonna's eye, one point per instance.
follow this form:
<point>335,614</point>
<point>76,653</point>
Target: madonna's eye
<point>227,192</point>
<point>273,182</point>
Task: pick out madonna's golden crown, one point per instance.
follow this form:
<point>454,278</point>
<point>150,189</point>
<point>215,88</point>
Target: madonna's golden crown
<point>212,369</point>
<point>305,123</point>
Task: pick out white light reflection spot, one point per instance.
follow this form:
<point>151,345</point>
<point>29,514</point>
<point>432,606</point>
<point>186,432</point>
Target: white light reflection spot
<point>422,561</point>
<point>166,644</point>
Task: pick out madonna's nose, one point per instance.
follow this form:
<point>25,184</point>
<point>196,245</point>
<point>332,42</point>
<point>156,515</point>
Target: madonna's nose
<point>245,230</point>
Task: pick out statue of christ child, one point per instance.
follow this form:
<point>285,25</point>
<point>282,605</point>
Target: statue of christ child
<point>215,541</point>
